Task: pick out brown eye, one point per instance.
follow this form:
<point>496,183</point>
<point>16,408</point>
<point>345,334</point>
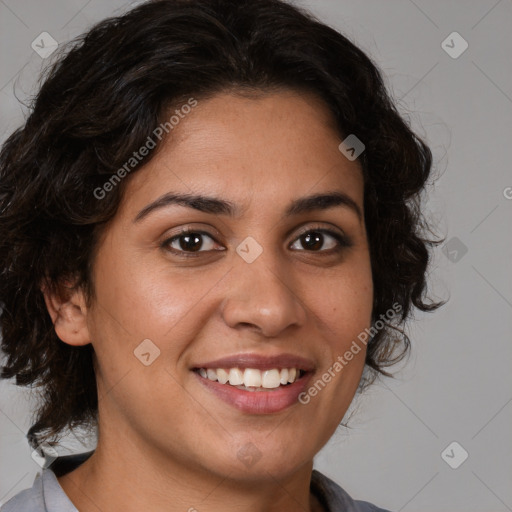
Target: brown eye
<point>315,240</point>
<point>189,242</point>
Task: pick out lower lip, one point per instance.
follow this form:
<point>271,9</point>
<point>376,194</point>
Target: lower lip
<point>258,402</point>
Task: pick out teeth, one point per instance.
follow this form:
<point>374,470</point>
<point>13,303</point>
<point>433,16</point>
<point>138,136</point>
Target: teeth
<point>236,377</point>
<point>252,378</point>
<point>222,375</point>
<point>270,379</point>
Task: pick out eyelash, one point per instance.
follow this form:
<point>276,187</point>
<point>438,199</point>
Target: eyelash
<point>343,241</point>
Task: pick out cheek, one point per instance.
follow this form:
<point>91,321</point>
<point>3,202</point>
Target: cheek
<point>138,301</point>
<point>343,315</point>
<point>345,308</point>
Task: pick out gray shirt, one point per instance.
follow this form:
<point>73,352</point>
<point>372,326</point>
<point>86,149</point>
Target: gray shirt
<point>46,495</point>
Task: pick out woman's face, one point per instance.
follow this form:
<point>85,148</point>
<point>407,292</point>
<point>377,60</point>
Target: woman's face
<point>264,284</point>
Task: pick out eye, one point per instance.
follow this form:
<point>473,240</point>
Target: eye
<point>314,239</point>
<point>188,242</point>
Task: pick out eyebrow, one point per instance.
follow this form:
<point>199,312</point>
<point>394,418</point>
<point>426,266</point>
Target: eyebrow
<point>217,206</point>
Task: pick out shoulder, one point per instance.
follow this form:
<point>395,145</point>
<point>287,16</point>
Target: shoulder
<point>29,500</point>
<point>334,498</point>
<point>46,494</point>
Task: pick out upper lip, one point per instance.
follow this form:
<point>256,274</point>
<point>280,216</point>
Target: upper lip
<point>260,362</point>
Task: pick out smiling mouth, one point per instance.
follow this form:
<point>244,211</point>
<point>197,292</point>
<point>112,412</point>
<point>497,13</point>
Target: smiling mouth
<point>252,379</point>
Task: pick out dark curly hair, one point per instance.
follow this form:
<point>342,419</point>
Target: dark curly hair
<point>98,102</point>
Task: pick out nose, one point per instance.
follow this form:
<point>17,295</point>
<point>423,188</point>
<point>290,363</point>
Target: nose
<point>262,298</point>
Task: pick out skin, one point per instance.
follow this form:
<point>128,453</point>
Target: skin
<point>166,442</point>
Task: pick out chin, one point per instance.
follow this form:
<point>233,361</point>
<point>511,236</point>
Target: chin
<point>249,461</point>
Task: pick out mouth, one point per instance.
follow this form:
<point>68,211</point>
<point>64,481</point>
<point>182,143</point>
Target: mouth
<point>254,384</point>
<point>252,379</point>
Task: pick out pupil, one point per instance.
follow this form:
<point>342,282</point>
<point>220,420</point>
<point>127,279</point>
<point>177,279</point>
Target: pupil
<point>313,240</point>
<point>188,245</point>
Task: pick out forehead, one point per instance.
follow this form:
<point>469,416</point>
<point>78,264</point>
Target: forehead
<point>273,148</point>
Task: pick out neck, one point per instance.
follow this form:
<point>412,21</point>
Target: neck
<point>131,477</point>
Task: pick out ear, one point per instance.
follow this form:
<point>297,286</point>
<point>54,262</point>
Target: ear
<point>68,311</point>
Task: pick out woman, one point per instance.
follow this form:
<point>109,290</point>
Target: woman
<point>211,230</point>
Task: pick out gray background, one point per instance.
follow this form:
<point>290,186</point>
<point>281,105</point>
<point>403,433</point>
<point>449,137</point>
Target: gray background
<point>457,386</point>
